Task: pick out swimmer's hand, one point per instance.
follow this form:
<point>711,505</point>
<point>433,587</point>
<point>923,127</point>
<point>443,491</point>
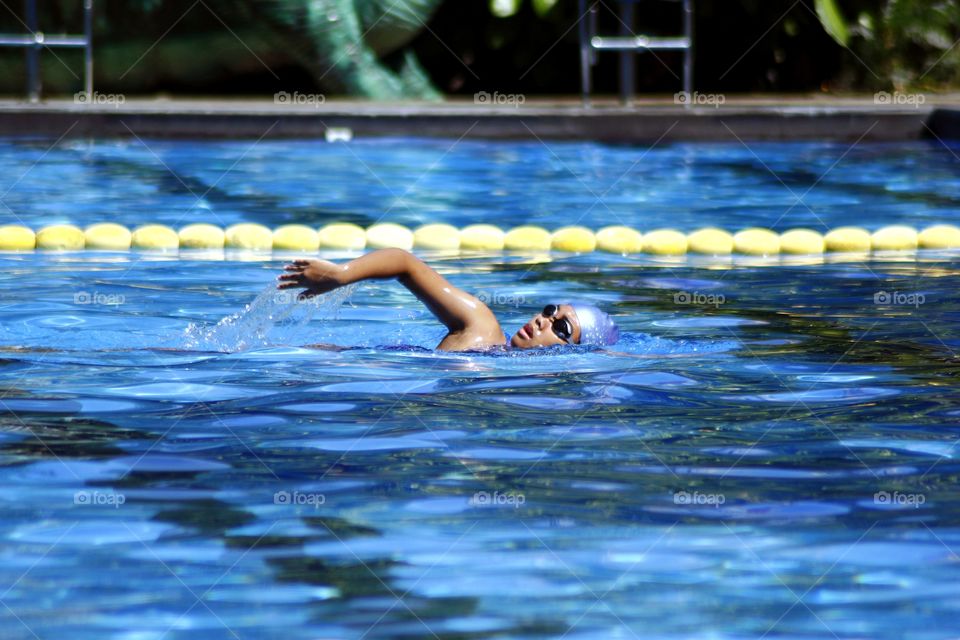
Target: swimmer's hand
<point>315,276</point>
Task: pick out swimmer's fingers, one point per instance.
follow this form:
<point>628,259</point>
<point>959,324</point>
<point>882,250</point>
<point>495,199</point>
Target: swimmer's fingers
<point>298,265</point>
<point>291,281</point>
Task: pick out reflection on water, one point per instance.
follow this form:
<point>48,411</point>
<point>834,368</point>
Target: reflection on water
<point>780,461</point>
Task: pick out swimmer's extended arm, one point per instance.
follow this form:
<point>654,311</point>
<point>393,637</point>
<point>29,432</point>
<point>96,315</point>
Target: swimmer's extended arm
<point>455,308</point>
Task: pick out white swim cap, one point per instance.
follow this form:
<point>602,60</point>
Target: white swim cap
<point>596,327</point>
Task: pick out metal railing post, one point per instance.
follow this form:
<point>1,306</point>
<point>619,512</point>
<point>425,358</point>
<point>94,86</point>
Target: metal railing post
<point>627,73</point>
<point>88,47</point>
<point>584,51</point>
<point>688,53</point>
<point>33,52</point>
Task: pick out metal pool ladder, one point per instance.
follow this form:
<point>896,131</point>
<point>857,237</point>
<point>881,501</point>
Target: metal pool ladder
<point>628,45</point>
<point>34,40</point>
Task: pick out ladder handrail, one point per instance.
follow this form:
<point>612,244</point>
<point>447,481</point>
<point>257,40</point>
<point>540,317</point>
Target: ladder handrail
<point>34,40</point>
<point>628,43</point>
<point>621,43</point>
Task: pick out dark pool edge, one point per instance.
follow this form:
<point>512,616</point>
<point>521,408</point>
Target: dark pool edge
<point>648,123</point>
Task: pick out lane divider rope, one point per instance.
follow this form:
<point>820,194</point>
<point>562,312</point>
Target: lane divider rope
<point>477,237</point>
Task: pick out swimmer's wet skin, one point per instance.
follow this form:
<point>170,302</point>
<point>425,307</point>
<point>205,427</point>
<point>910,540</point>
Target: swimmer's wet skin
<point>470,322</point>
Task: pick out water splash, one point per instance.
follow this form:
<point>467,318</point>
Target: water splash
<point>274,317</point>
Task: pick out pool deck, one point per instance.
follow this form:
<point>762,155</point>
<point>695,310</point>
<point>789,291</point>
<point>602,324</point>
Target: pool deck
<point>650,119</point>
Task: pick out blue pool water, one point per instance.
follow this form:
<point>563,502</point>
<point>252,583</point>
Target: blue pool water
<point>768,452</point>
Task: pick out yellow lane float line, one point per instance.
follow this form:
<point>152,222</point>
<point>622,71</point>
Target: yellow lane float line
<point>622,240</point>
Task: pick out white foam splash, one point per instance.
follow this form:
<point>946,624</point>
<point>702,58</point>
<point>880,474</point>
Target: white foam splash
<point>273,318</point>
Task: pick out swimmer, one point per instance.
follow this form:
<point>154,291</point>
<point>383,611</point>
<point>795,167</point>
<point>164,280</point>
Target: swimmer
<point>470,323</point>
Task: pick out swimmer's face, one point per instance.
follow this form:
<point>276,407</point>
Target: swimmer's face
<point>540,331</point>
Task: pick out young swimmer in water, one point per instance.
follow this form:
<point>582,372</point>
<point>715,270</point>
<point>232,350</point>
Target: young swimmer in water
<point>470,322</point>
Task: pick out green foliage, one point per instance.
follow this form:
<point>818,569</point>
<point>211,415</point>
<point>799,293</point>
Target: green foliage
<point>504,8</point>
<point>900,43</point>
<point>832,21</point>
<point>542,7</point>
<point>917,41</point>
<point>507,8</point>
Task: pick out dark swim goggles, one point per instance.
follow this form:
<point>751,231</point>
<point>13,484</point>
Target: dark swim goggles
<point>561,326</point>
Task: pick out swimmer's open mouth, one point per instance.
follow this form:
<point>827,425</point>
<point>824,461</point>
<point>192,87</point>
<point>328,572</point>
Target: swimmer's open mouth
<point>524,332</point>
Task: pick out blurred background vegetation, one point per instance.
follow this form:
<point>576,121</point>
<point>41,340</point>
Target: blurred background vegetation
<point>218,47</point>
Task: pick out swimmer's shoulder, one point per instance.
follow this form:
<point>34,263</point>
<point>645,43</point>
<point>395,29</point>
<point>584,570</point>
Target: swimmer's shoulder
<point>473,339</point>
<point>482,331</point>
